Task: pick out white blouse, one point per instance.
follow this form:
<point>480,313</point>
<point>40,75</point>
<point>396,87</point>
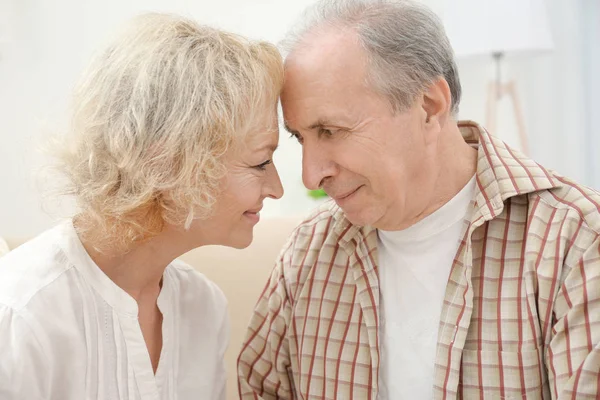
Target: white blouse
<point>67,332</point>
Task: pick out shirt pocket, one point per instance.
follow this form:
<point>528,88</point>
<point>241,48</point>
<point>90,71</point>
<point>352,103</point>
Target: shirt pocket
<point>503,375</point>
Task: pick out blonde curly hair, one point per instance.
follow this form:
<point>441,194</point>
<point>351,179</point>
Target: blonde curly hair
<point>152,119</point>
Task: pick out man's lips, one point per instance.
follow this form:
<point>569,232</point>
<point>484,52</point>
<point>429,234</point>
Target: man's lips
<point>345,195</point>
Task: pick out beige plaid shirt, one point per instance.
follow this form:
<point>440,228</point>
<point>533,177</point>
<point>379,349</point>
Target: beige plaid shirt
<point>521,315</point>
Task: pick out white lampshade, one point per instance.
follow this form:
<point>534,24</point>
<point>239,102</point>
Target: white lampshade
<point>497,26</point>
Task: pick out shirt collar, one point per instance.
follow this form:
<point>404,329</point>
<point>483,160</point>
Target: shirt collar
<point>502,172</point>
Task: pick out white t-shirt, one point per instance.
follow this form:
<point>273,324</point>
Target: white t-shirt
<point>67,332</point>
<point>414,267</point>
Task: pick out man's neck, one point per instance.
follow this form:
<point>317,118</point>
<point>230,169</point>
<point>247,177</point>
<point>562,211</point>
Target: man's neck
<point>456,163</point>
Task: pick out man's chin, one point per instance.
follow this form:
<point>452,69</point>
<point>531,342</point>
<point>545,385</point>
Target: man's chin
<point>359,217</point>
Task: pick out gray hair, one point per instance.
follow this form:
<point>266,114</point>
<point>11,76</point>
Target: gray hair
<point>406,45</point>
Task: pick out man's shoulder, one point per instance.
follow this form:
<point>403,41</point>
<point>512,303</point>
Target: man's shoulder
<point>321,220</point>
<point>579,203</point>
<point>315,237</point>
<point>318,240</point>
<point>324,225</point>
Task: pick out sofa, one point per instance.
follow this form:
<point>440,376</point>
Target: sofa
<point>241,274</point>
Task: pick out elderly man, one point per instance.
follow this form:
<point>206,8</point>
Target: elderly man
<point>448,265</point>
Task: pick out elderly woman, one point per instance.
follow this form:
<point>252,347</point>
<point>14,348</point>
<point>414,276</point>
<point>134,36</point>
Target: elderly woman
<point>170,148</point>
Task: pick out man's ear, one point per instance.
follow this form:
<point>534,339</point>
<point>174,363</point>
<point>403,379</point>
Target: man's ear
<point>437,101</point>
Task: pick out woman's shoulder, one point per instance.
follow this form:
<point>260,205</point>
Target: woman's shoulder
<point>195,285</point>
<point>31,268</point>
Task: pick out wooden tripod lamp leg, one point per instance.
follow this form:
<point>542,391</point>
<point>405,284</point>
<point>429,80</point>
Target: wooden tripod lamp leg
<point>494,92</point>
<point>492,104</point>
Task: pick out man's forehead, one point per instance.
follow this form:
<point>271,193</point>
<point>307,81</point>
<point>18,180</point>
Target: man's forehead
<point>324,50</point>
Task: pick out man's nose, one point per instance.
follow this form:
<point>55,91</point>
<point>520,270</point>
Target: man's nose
<point>317,165</point>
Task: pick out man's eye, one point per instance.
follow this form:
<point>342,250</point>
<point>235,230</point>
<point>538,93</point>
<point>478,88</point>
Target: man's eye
<point>263,166</point>
<point>325,132</point>
<point>297,137</point>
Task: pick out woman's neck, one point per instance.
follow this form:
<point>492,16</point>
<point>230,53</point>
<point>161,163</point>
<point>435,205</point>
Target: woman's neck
<point>139,269</point>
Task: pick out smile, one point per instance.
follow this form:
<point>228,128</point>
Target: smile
<point>253,216</point>
<point>347,195</point>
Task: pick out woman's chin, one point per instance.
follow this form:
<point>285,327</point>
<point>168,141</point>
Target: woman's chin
<point>240,239</point>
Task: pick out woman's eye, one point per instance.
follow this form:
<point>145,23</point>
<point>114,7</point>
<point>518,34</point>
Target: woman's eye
<point>263,166</point>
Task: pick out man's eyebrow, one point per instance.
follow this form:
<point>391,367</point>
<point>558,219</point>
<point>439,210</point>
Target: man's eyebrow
<point>321,123</point>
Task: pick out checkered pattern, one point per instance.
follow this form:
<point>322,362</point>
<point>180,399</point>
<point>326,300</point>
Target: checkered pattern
<point>521,315</point>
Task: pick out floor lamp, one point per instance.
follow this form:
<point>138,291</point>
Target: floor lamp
<point>497,28</point>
